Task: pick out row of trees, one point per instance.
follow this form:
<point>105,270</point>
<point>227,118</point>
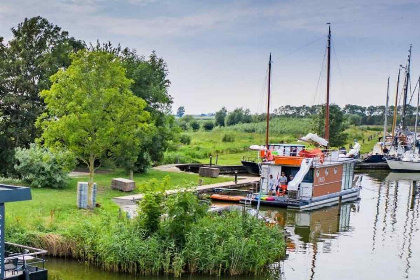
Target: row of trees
<point>102,101</point>
<point>353,114</point>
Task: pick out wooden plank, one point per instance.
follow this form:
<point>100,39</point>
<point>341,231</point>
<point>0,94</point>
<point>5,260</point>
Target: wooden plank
<point>241,183</point>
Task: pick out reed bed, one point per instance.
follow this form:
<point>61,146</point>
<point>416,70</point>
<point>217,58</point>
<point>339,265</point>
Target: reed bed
<point>231,243</point>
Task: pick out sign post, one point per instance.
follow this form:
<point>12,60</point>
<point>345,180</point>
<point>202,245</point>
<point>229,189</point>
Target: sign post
<point>2,233</point>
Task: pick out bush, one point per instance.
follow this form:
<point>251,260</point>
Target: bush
<point>208,126</point>
<point>42,168</point>
<point>185,139</point>
<point>195,125</point>
<point>183,125</point>
<point>228,138</point>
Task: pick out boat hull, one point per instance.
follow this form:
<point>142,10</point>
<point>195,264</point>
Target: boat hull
<point>400,165</point>
<point>375,159</point>
<point>251,166</point>
<point>348,195</point>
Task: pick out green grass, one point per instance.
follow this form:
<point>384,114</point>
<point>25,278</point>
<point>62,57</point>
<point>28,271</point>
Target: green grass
<point>53,209</point>
<point>205,144</point>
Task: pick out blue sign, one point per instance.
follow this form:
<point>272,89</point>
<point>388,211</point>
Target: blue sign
<point>2,240</point>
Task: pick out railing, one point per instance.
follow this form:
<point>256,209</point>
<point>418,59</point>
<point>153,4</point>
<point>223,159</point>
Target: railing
<point>20,259</point>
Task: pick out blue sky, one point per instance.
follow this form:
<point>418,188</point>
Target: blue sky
<point>217,51</point>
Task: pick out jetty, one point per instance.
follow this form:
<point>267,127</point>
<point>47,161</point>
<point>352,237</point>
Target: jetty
<point>128,203</point>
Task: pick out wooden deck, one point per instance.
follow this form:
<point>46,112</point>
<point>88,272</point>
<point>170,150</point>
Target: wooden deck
<point>248,181</point>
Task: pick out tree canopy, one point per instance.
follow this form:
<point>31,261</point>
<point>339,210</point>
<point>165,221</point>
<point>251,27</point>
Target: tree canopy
<point>36,50</point>
<point>91,110</point>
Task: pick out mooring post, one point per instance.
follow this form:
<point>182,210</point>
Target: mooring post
<point>210,160</point>
<point>236,177</point>
<point>217,159</point>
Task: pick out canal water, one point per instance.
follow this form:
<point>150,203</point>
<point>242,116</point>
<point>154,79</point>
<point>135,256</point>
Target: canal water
<point>375,238</point>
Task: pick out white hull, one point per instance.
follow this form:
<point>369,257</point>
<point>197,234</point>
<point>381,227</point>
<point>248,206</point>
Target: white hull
<point>403,165</point>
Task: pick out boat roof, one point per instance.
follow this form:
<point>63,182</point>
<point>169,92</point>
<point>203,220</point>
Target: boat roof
<point>287,145</point>
<point>14,193</point>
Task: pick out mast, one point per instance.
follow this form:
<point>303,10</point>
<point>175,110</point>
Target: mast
<point>268,103</point>
<point>394,121</point>
<point>417,111</point>
<point>327,105</point>
<point>386,112</point>
<point>406,82</point>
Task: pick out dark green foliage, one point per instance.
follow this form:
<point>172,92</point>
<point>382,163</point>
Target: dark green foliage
<point>151,83</point>
<point>239,115</point>
<point>36,51</point>
<point>181,111</point>
<point>228,138</point>
<point>185,139</point>
<point>337,126</point>
<point>43,169</point>
<point>220,117</point>
<point>208,125</point>
<point>195,125</point>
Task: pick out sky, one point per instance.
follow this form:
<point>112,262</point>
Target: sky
<point>217,50</point>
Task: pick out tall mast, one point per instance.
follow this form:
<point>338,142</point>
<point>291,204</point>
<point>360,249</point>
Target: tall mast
<point>268,103</point>
<point>394,121</point>
<point>327,105</point>
<point>406,83</point>
<point>417,111</point>
<point>386,112</point>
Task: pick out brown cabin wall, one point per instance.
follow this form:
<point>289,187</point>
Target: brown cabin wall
<point>327,182</point>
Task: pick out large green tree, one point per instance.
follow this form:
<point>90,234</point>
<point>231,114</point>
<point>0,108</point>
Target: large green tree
<point>337,125</point>
<point>36,50</point>
<point>151,83</point>
<point>91,110</point>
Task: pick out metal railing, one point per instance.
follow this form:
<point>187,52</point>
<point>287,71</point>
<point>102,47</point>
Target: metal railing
<point>20,259</point>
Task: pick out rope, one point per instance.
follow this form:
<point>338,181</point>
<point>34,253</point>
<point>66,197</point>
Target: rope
<point>320,75</point>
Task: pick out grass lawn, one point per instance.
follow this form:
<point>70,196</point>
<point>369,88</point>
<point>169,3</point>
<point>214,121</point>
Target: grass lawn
<point>51,210</point>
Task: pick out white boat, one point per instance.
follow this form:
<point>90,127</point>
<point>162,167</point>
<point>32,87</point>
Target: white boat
<point>401,165</point>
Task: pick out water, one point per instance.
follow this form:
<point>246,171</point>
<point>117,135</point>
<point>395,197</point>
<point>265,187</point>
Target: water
<point>376,238</point>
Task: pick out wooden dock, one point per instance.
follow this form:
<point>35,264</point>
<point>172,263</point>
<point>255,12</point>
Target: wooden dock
<point>248,181</point>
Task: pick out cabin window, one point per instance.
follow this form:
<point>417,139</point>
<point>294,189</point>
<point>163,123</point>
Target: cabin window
<point>317,173</point>
<point>335,170</point>
<point>327,170</point>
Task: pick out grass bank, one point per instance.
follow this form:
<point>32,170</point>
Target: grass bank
<point>185,241</point>
<point>51,210</point>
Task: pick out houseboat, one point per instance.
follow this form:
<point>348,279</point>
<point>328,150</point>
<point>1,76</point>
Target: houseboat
<point>18,262</point>
<point>317,181</point>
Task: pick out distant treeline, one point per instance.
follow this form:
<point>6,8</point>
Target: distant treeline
<point>353,114</point>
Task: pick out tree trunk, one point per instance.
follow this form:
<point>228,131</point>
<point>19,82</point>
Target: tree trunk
<point>131,174</point>
<point>90,183</point>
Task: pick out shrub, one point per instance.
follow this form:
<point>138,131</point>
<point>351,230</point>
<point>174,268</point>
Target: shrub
<point>208,125</point>
<point>183,125</point>
<point>184,209</point>
<point>228,138</point>
<point>42,168</point>
<point>195,125</point>
<point>185,139</point>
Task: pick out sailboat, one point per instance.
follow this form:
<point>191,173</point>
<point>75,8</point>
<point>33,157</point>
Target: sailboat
<point>253,166</point>
<point>410,160</point>
<point>316,178</point>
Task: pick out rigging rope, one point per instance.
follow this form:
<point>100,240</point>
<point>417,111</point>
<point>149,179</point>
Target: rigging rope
<point>302,47</point>
<point>320,76</point>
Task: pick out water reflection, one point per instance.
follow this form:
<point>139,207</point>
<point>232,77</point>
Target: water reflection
<point>376,238</point>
